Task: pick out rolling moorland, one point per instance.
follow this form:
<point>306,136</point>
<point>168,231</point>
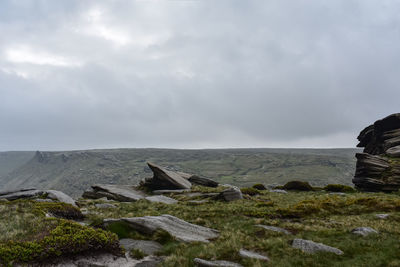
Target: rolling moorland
<point>75,171</point>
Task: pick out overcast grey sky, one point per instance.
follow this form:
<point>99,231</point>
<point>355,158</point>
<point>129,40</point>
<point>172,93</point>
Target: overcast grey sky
<point>195,74</point>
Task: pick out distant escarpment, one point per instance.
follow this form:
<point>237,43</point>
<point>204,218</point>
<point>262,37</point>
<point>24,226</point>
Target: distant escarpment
<point>378,167</point>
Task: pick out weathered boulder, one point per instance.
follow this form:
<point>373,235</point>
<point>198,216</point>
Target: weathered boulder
<point>165,179</point>
<point>161,199</point>
<point>117,192</point>
<point>364,231</point>
<point>204,263</point>
<point>24,193</point>
<point>230,194</point>
<point>312,247</point>
<point>194,179</point>
<point>180,229</point>
<point>274,229</point>
<point>60,196</point>
<point>378,167</point>
<point>252,255</point>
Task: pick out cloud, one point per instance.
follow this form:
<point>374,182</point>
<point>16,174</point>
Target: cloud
<point>229,73</point>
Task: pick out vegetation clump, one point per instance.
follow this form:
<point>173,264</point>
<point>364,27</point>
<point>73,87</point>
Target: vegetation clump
<point>259,187</point>
<point>339,188</point>
<point>137,254</point>
<point>298,185</point>
<point>249,191</point>
<point>62,210</point>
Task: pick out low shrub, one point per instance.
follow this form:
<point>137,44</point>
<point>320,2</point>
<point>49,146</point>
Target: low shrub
<point>339,188</point>
<point>298,185</point>
<point>249,191</point>
<point>259,187</point>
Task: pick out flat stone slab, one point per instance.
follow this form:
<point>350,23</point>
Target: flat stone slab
<point>204,263</point>
<point>14,195</point>
<point>274,228</point>
<point>382,216</point>
<point>146,246</point>
<point>252,255</point>
<point>162,199</point>
<point>177,191</point>
<point>60,196</point>
<point>120,192</point>
<point>312,247</point>
<point>165,179</point>
<point>364,231</point>
<point>202,181</point>
<point>180,229</point>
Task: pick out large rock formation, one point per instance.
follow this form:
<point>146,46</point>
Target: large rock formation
<point>166,179</point>
<point>378,167</point>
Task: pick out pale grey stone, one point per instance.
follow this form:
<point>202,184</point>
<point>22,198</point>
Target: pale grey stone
<point>205,263</point>
<point>162,199</point>
<point>252,255</point>
<point>60,196</point>
<point>311,247</point>
<point>13,195</point>
<point>120,192</point>
<point>230,194</point>
<point>105,206</point>
<point>146,246</point>
<point>281,191</point>
<point>274,228</point>
<point>382,216</point>
<point>364,231</point>
<point>167,191</point>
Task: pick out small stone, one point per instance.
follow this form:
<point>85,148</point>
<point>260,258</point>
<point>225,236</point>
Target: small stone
<point>204,263</point>
<point>312,247</point>
<point>162,199</point>
<point>382,216</point>
<point>364,231</point>
<point>274,228</point>
<point>281,191</point>
<point>252,255</point>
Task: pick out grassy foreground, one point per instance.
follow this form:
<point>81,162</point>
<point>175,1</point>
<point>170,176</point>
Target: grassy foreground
<point>315,215</point>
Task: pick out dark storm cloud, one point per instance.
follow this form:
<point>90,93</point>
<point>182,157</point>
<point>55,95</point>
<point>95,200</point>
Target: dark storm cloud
<point>86,74</point>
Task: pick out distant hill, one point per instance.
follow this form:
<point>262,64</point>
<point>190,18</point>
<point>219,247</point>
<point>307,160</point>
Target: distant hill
<point>74,171</point>
<point>12,160</point>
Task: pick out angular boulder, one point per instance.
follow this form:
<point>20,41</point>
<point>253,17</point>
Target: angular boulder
<point>312,247</point>
<point>180,229</point>
<point>162,199</point>
<point>165,179</point>
<point>19,194</point>
<point>60,196</point>
<point>116,192</point>
<point>202,181</point>
<point>230,194</point>
<point>378,167</point>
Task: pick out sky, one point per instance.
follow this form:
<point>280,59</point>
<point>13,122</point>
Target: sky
<point>81,74</point>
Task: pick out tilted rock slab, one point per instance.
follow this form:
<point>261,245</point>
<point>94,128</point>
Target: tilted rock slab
<point>165,179</point>
<point>60,196</point>
<point>117,192</point>
<point>194,179</point>
<point>252,255</point>
<point>180,229</point>
<point>34,193</point>
<point>162,199</point>
<point>312,247</point>
<point>378,167</point>
<point>364,231</point>
<point>204,263</point>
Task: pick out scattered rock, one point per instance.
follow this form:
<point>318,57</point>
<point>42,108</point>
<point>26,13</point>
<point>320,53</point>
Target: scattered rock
<point>202,181</point>
<point>274,228</point>
<point>105,206</point>
<point>117,192</point>
<point>281,191</point>
<point>178,191</point>
<point>18,194</point>
<point>204,263</point>
<point>252,255</point>
<point>364,231</point>
<point>230,194</point>
<point>60,196</point>
<point>176,227</point>
<point>162,199</point>
<point>312,247</point>
<point>378,167</point>
<point>165,179</point>
<point>146,246</point>
<point>382,216</point>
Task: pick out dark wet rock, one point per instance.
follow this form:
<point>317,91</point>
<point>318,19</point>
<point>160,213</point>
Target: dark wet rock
<point>205,263</point>
<point>382,216</point>
<point>165,179</point>
<point>312,247</point>
<point>180,229</point>
<point>14,195</point>
<point>274,229</point>
<point>178,191</point>
<point>105,206</point>
<point>202,181</point>
<point>364,231</point>
<point>162,199</point>
<point>60,196</point>
<point>230,194</point>
<point>116,192</point>
<point>146,246</point>
<point>378,167</point>
<point>252,255</point>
